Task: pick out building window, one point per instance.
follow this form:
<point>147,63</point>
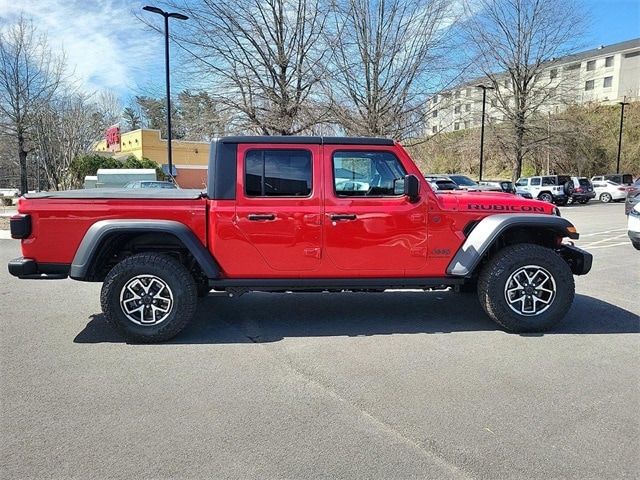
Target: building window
<point>457,95</point>
<point>434,129</point>
<point>588,85</point>
<point>467,107</point>
<point>553,73</point>
<point>507,82</point>
<point>574,66</point>
<point>435,99</point>
<point>632,54</point>
<point>456,126</point>
<point>434,114</point>
<point>608,62</point>
<point>591,65</point>
<point>456,109</point>
<point>608,81</point>
<point>277,173</point>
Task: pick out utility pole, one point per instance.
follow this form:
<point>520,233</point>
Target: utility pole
<point>622,104</point>
<point>548,140</point>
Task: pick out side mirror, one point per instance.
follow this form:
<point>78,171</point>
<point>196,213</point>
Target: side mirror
<point>412,187</point>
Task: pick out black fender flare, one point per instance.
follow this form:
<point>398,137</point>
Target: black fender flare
<point>487,231</point>
<point>101,230</point>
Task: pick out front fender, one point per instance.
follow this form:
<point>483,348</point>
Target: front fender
<point>489,229</point>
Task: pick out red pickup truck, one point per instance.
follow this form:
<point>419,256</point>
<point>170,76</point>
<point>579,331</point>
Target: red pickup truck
<point>300,214</point>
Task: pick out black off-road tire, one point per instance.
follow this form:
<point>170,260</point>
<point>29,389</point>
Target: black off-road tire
<point>496,273</point>
<point>173,273</point>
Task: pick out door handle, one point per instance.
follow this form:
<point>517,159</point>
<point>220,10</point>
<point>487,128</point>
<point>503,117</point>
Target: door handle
<point>261,217</point>
<point>343,216</point>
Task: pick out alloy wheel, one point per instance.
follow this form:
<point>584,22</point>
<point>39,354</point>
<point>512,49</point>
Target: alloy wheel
<point>530,290</point>
<point>146,300</point>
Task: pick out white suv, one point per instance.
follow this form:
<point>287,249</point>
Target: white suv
<point>545,189</point>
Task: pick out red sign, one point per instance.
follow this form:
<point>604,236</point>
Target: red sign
<point>113,138</point>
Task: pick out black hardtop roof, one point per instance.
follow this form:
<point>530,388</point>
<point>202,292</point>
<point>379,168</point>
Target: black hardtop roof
<point>307,140</point>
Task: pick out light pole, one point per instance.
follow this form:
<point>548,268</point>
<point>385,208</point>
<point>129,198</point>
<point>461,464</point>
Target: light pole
<point>622,104</point>
<point>166,16</point>
<point>484,105</point>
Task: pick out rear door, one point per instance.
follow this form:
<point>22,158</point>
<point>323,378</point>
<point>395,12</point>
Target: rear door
<point>278,208</point>
<point>371,228</point>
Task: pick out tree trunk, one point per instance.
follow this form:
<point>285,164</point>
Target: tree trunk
<point>22,155</point>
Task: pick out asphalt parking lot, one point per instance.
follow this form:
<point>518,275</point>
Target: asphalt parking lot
<point>391,385</point>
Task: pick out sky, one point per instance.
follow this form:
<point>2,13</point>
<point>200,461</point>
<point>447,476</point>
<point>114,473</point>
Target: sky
<point>108,48</point>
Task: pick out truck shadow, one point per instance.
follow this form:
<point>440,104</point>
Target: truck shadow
<point>264,317</point>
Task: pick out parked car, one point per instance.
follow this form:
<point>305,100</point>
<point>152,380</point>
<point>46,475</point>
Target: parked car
<point>634,226</point>
<point>547,188</point>
<point>465,183</point>
<point>441,183</point>
<point>608,191</point>
<point>272,220</point>
<point>633,197</point>
<point>581,190</point>
<point>507,186</point>
<point>619,178</point>
<point>150,184</point>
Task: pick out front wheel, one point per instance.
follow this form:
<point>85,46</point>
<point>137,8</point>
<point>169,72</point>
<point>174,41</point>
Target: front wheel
<point>526,288</point>
<point>605,197</point>
<point>149,297</point>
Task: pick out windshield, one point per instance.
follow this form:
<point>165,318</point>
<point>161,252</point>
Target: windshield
<point>462,180</point>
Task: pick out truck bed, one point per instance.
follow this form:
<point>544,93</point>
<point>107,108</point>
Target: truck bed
<point>122,193</point>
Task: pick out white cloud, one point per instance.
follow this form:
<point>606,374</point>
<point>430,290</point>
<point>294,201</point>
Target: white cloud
<point>106,46</point>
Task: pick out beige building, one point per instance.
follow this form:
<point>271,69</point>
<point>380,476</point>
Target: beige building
<point>189,158</point>
<point>607,74</point>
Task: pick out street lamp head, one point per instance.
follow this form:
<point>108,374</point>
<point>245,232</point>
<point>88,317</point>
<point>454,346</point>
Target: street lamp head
<point>157,10</point>
<point>484,87</point>
<point>179,16</point>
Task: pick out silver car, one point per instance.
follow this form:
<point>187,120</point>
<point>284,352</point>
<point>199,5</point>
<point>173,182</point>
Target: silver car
<point>608,191</point>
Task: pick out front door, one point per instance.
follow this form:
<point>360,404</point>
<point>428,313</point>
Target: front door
<point>278,208</point>
<point>371,228</point>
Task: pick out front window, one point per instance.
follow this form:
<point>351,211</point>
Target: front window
<point>367,174</point>
<point>277,173</point>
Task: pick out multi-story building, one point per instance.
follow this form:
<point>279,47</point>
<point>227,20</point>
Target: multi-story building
<point>607,74</point>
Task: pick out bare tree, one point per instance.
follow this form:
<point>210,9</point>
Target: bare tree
<point>515,42</point>
<point>264,59</point>
<point>384,55</point>
<point>30,74</point>
<point>67,127</point>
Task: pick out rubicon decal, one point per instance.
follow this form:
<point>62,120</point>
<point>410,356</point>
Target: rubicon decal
<point>505,208</point>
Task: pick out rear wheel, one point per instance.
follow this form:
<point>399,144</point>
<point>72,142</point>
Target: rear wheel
<point>526,288</point>
<point>605,197</point>
<point>546,197</point>
<point>149,297</point>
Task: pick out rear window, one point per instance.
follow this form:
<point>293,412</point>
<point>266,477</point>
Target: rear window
<point>584,182</point>
<point>277,173</point>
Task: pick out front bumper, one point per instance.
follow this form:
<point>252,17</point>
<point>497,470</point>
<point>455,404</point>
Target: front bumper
<point>579,260</point>
<point>27,268</point>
